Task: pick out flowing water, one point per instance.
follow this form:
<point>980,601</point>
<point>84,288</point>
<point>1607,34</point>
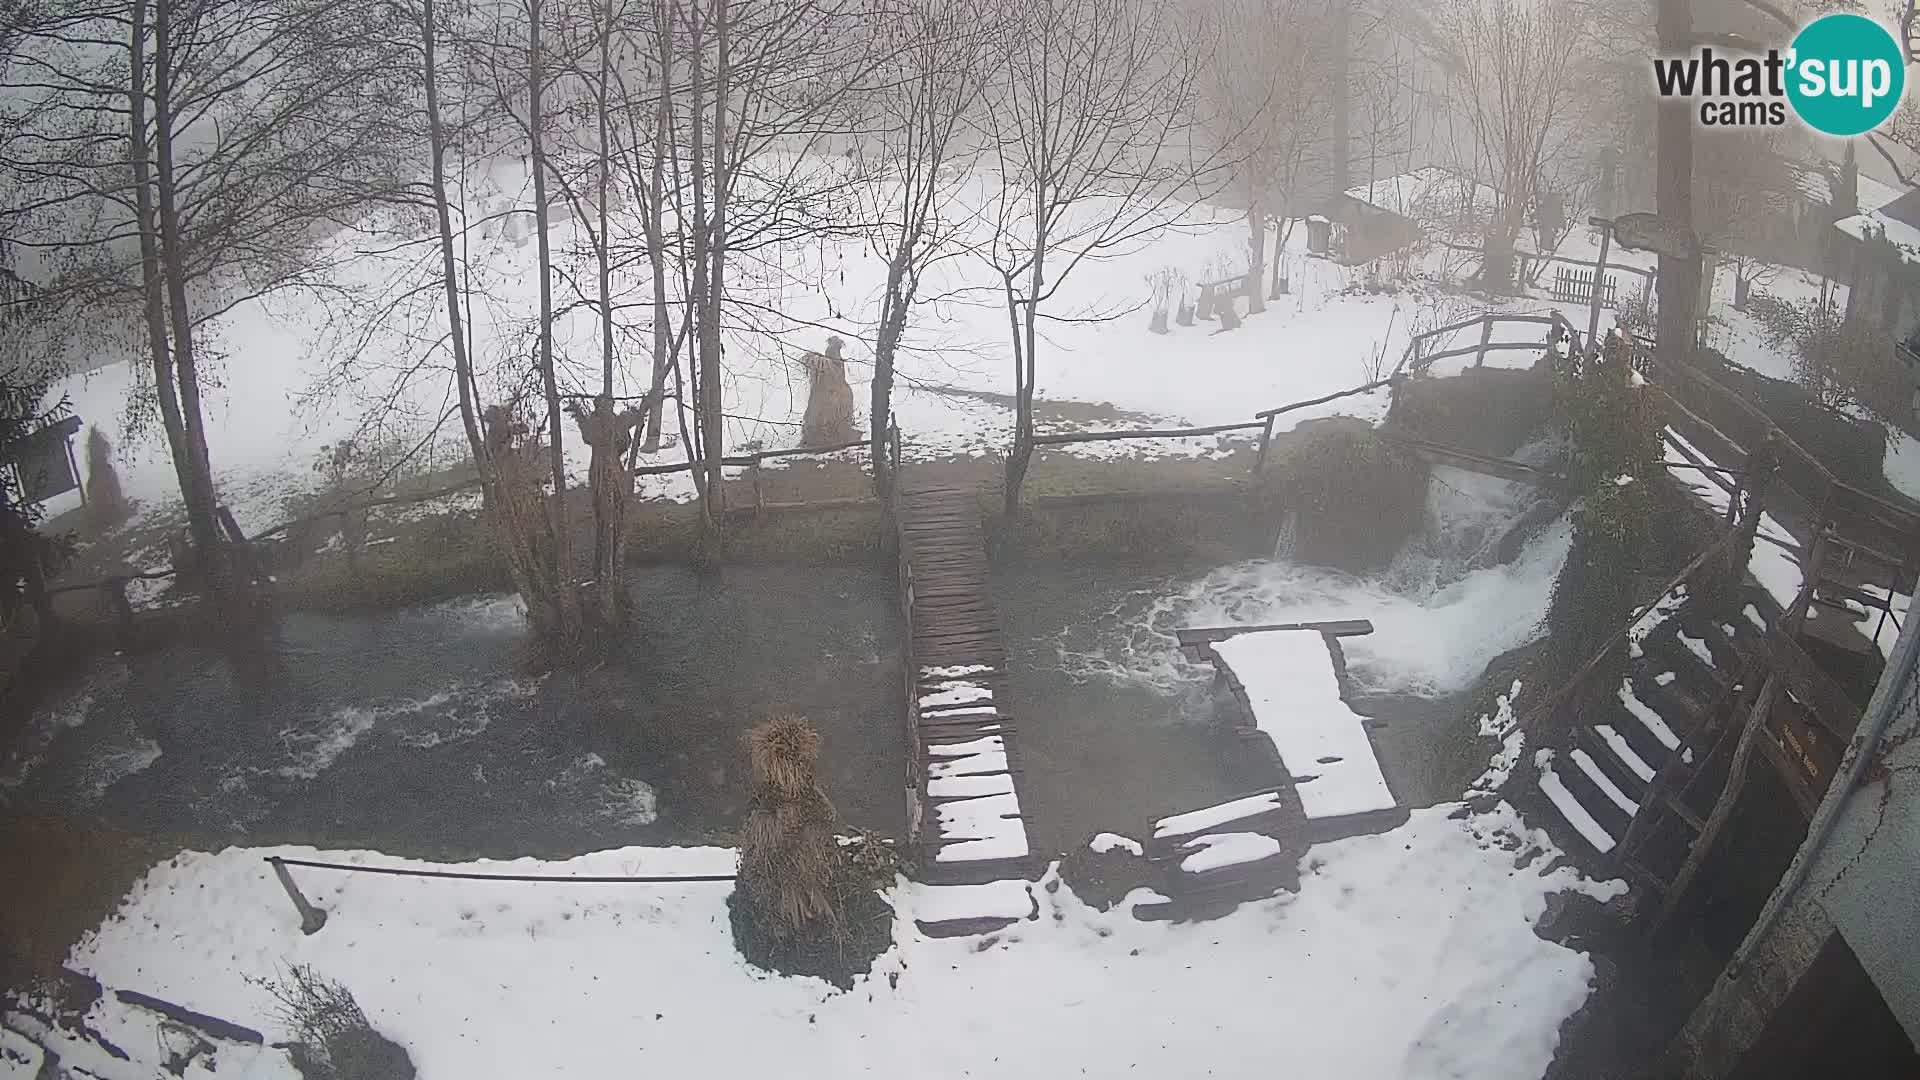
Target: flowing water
<point>1117,727</point>
<point>413,731</point>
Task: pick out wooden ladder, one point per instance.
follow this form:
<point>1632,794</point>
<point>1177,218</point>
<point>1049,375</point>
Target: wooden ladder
<point>1666,798</point>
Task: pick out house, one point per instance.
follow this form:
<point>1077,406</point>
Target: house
<point>1884,248</point>
<point>1827,981</point>
<point>1386,214</point>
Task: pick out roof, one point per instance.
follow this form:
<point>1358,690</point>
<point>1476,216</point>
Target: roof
<point>1816,183</point>
<point>1431,196</point>
<point>1898,220</point>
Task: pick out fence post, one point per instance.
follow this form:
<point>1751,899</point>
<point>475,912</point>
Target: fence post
<point>311,918</point>
<point>759,499</point>
<point>1796,616</point>
<point>1486,335</point>
<point>116,590</point>
<point>1266,437</point>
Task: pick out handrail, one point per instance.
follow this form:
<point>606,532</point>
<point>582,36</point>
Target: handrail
<point>1062,438</point>
<point>1365,388</point>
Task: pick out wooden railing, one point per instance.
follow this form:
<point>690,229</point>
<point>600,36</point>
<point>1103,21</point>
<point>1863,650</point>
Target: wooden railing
<point>1417,359</point>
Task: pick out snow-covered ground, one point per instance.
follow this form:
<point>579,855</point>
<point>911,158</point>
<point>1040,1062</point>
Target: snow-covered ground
<point>280,391</point>
<point>1405,955</point>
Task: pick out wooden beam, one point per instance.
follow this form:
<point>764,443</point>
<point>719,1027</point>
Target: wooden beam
<point>1811,686</point>
<point>1195,636</point>
<point>1504,468</point>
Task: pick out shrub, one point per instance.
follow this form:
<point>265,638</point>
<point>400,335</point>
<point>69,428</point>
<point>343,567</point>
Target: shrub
<point>332,1038</point>
<point>803,904</point>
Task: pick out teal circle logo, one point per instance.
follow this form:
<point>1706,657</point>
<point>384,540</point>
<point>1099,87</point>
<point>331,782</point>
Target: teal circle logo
<point>1847,74</point>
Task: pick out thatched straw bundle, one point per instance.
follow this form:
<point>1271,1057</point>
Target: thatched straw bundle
<point>790,863</point>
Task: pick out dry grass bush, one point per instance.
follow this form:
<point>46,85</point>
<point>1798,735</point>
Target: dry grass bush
<point>331,1037</point>
<point>804,903</point>
<point>789,860</point>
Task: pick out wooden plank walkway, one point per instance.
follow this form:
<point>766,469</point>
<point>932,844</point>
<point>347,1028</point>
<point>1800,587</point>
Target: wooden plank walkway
<point>963,793</point>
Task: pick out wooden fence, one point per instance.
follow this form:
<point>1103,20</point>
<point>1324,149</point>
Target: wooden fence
<point>1575,285</point>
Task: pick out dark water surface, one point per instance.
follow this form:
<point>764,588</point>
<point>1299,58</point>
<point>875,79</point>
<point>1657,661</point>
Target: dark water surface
<point>413,732</point>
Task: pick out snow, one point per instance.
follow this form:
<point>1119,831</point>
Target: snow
<point>1216,850</point>
<point>1884,631</point>
<point>1010,899</point>
<point>954,692</point>
<point>1624,751</point>
<point>1665,678</point>
<point>1205,818</point>
<point>1753,616</point>
<point>1569,807</point>
<point>1604,782</point>
<point>1660,612</point>
<point>1405,955</point>
<point>1902,465</point>
<point>1106,841</point>
<point>1295,695</point>
<point>988,827</point>
<point>1773,563</point>
<point>967,787</point>
<point>1648,718</point>
<point>274,406</point>
<point>1904,235</point>
<point>1698,646</point>
<point>1505,726</point>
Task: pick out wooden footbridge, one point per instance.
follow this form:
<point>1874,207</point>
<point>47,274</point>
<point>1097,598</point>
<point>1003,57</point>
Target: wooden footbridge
<point>963,801</point>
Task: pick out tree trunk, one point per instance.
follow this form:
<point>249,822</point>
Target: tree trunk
<point>561,556</point>
<point>893,324</point>
<point>1338,84</point>
<point>1676,282</point>
<point>201,523</point>
<point>610,481</point>
<point>704,417</point>
<point>1257,255</point>
<point>153,288</point>
<point>437,162</point>
<point>713,425</point>
<point>656,235</point>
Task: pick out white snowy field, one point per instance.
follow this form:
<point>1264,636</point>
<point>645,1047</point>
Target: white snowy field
<point>1405,955</point>
<point>294,372</point>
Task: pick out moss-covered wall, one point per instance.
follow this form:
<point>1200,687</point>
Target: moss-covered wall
<point>1490,411</point>
<point>1356,497</point>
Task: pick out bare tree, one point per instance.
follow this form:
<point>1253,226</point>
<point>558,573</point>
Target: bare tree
<point>193,155</point>
<point>1513,68</point>
<point>1091,113</point>
<point>934,71</point>
<point>1267,104</point>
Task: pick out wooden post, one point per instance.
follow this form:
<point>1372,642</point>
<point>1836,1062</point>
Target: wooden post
<point>1486,336</point>
<point>759,498</point>
<point>311,918</point>
<point>1796,616</point>
<point>1599,279</point>
<point>116,591</point>
<point>73,466</point>
<point>1266,439</point>
<point>1722,806</point>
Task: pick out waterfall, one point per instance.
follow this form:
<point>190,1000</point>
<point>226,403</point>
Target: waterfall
<point>1289,533</point>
